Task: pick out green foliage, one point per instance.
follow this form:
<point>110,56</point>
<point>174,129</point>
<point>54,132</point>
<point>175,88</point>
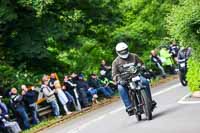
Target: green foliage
<point>43,36</point>
<point>9,77</point>
<point>143,27</point>
<point>193,74</point>
<point>184,25</point>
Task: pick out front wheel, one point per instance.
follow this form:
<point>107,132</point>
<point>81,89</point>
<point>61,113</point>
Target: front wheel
<point>182,78</point>
<point>146,105</point>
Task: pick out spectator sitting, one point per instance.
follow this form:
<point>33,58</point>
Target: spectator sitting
<point>69,85</point>
<point>5,124</point>
<point>52,80</point>
<point>94,83</point>
<point>17,104</point>
<point>157,61</point>
<point>50,97</point>
<point>82,87</point>
<point>109,84</point>
<point>106,68</point>
<point>61,96</point>
<point>71,100</point>
<point>30,97</point>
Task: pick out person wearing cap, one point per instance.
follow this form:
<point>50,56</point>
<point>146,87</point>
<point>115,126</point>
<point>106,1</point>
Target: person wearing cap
<point>82,87</point>
<point>124,57</point>
<point>30,97</point>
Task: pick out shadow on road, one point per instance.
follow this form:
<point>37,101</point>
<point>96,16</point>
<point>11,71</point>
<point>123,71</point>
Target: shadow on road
<point>167,111</point>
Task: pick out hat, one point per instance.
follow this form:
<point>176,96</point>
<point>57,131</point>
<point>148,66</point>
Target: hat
<point>93,74</point>
<point>81,76</point>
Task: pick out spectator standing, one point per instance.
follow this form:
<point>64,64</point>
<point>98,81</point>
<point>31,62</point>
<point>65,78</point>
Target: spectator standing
<point>61,96</point>
<point>173,50</point>
<point>17,104</point>
<point>30,97</point>
<point>50,97</point>
<point>157,61</point>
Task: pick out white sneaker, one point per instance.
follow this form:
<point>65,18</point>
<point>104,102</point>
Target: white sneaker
<point>69,113</point>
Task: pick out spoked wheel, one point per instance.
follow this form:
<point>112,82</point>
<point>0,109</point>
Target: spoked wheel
<point>147,105</point>
<point>138,115</point>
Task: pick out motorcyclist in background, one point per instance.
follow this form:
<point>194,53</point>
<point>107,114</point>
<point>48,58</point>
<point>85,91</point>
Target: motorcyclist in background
<point>184,54</point>
<point>124,57</point>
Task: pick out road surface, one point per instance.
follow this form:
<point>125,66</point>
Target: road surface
<point>175,113</point>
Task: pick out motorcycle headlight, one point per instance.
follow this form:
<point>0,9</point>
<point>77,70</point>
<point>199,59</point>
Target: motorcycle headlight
<point>133,69</point>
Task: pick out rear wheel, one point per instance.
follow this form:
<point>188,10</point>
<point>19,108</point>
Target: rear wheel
<point>138,117</point>
<point>146,105</point>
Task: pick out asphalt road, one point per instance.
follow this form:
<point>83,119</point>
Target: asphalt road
<point>175,113</point>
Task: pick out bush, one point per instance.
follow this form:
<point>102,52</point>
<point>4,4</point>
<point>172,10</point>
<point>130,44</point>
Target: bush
<point>193,75</point>
<point>11,77</point>
<point>184,25</point>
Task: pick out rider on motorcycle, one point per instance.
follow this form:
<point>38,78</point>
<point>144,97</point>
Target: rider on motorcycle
<point>184,54</point>
<point>124,57</point>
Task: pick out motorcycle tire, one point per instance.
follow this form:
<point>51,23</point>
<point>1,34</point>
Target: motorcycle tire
<point>138,117</point>
<point>135,102</point>
<point>182,79</point>
<point>147,105</point>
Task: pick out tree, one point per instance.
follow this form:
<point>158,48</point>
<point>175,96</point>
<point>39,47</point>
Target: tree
<point>184,25</point>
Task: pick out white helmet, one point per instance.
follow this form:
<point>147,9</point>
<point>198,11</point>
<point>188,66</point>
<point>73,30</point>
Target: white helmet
<point>122,50</point>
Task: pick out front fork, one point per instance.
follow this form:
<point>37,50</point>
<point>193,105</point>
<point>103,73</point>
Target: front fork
<point>135,97</point>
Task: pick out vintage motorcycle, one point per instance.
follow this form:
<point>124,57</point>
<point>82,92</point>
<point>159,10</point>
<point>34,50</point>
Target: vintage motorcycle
<point>136,91</point>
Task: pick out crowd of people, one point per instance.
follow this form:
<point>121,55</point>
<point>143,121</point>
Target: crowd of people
<point>74,92</point>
